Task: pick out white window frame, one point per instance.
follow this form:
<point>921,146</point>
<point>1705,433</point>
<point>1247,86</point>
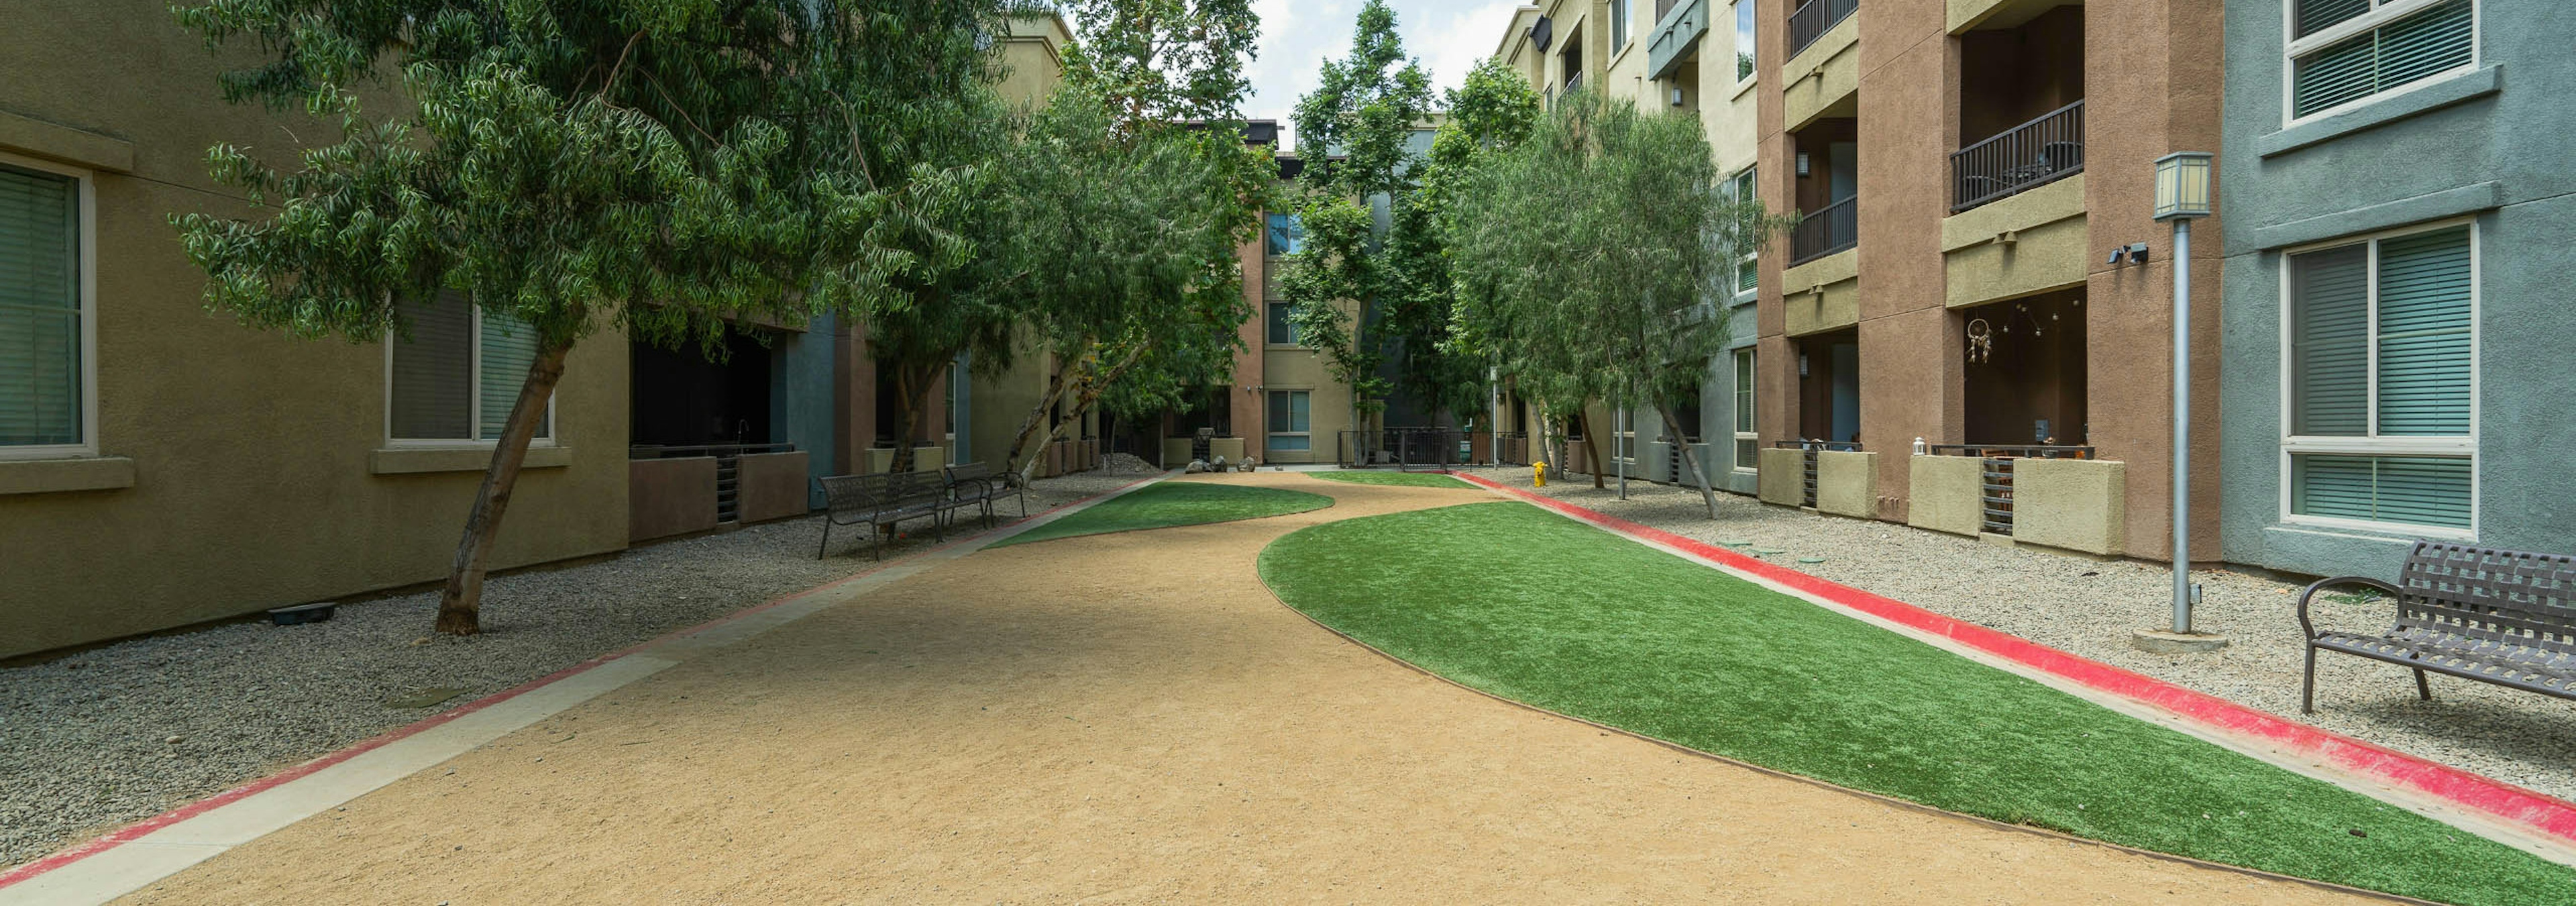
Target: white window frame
<point>1754,256</point>
<point>1745,397</point>
<point>2293,445</point>
<point>85,202</point>
<point>2390,10</point>
<point>1734,12</point>
<point>1621,16</point>
<point>1308,434</point>
<point>473,396</point>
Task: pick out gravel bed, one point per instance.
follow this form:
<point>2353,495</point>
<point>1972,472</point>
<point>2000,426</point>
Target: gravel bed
<point>113,735</point>
<point>2089,608</point>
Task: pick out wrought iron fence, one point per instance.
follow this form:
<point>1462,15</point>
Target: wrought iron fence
<point>2032,154</point>
<point>1813,18</point>
<point>1405,448</point>
<point>1827,230</point>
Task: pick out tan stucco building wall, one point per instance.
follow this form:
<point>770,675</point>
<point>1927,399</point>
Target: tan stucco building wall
<point>256,477</point>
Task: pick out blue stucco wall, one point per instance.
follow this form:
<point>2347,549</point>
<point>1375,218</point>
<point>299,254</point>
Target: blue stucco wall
<point>800,398</point>
<point>2497,144</point>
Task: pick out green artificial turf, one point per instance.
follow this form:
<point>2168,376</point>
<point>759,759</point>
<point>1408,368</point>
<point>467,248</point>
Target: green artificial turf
<point>1173,503</point>
<point>1529,605</point>
<point>1404,479</point>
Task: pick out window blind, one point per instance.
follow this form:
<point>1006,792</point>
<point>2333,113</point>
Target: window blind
<point>2330,342</point>
<point>509,347</point>
<point>2420,490</point>
<point>40,328</point>
<point>2436,40</point>
<point>2424,365</point>
<point>2313,16</point>
<point>433,367</point>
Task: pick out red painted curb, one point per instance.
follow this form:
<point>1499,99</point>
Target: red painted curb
<point>140,829</point>
<point>2528,808</point>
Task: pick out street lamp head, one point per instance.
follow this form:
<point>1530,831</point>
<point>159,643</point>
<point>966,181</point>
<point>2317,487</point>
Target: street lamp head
<point>2183,189</point>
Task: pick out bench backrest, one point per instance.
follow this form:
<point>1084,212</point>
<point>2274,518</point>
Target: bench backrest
<point>2493,595</point>
<point>973,471</point>
<point>862,493</point>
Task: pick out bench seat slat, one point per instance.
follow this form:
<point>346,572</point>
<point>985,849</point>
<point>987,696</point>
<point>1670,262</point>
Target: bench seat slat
<point>2496,616</point>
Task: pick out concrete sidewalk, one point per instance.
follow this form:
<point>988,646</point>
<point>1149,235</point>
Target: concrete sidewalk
<point>1126,717</point>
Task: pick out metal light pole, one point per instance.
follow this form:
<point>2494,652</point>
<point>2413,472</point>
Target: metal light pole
<point>2183,194</point>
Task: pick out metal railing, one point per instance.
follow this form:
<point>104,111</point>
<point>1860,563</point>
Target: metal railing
<point>1995,481</point>
<point>2023,157</point>
<point>1511,448</point>
<point>1812,447</point>
<point>1813,18</point>
<point>1678,27</point>
<point>1827,230</point>
<point>1403,448</point>
<point>728,468</point>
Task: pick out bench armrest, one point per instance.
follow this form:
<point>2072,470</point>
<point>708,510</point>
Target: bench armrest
<point>2322,584</point>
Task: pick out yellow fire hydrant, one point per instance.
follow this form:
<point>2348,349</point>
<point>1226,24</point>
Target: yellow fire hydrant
<point>1541,467</point>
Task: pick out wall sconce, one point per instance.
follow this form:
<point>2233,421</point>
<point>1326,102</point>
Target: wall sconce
<point>1802,163</point>
<point>1802,364</point>
<point>1677,97</point>
<point>2137,253</point>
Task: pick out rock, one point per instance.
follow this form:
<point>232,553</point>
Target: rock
<point>172,740</point>
<point>1217,464</point>
<point>1196,466</point>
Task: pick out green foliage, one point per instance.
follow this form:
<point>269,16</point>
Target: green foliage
<point>1526,605</point>
<point>1164,61</point>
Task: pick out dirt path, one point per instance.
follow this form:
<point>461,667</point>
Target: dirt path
<point>1124,718</point>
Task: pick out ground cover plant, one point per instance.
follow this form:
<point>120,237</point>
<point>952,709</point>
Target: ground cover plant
<point>1534,607</point>
<point>1397,479</point>
<point>1174,503</point>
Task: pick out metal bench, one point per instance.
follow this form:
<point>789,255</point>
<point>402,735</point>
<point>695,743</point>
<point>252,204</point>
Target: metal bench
<point>2495,616</point>
<point>982,485</point>
<point>882,502</point>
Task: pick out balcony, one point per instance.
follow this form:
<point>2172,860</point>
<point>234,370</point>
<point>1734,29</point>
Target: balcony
<point>1822,232</point>
<point>2032,154</point>
<point>1677,34</point>
<point>1813,18</point>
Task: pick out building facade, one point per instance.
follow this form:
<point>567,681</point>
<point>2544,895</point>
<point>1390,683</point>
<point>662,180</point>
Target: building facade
<point>2395,363</point>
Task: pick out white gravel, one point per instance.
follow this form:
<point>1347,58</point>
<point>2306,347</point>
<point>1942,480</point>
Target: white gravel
<point>112,735</point>
<point>2089,608</point>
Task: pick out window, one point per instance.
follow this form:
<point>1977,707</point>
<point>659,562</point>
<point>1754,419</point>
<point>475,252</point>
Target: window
<point>1283,332</point>
<point>1747,447</point>
<point>1288,421</point>
<point>1744,56</point>
<point>45,330</point>
<point>2343,51</point>
<point>458,373</point>
<point>1285,236</point>
<point>1618,26</point>
<point>2381,380</point>
<point>1748,267</point>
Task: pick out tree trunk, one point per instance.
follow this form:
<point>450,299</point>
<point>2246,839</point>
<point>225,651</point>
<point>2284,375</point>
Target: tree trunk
<point>1037,415</point>
<point>460,604</point>
<point>1592,446</point>
<point>1092,385</point>
<point>909,383</point>
<point>1706,495</point>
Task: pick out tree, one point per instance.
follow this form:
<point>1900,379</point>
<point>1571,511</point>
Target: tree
<point>564,166</point>
<point>1601,240</point>
<point>1136,194</point>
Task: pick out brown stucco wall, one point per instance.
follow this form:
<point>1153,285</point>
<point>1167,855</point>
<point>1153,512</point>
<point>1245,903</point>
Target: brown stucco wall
<point>668,497</point>
<point>769,486</point>
<point>251,451</point>
<point>2151,70</point>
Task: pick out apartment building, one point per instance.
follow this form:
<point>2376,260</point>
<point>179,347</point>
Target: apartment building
<point>2396,330</point>
<point>161,465</point>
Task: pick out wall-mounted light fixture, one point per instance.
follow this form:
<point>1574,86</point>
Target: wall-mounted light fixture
<point>1802,364</point>
<point>2137,253</point>
<point>1802,163</point>
<point>1677,97</point>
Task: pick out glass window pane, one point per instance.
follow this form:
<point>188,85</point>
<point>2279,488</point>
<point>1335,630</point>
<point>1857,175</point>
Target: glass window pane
<point>433,370</point>
<point>2434,41</point>
<point>2424,361</point>
<point>2312,16</point>
<point>1291,442</point>
<point>1744,56</point>
<point>2417,490</point>
<point>1285,235</point>
<point>2336,75</point>
<point>2330,342</point>
<point>509,347</point>
<point>1297,414</point>
<point>1282,330</point>
<point>40,328</point>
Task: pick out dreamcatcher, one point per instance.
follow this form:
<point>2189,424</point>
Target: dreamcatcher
<point>1981,340</point>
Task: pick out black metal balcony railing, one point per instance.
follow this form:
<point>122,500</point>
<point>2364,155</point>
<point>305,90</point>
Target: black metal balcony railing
<point>2032,154</point>
<point>1822,232</point>
<point>1813,18</point>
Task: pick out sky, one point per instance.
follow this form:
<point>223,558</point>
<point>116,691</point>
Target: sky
<point>1447,36</point>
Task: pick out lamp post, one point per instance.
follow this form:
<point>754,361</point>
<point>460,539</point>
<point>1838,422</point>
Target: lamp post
<point>2183,194</point>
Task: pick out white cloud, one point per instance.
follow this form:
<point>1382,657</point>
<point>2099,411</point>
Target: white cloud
<point>1447,36</point>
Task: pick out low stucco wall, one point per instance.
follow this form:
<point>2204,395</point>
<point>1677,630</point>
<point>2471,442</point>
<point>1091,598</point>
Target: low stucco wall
<point>668,497</point>
<point>1948,494</point>
<point>2075,504</point>
<point>769,486</point>
<point>1229,447</point>
<point>925,458</point>
<point>1783,476</point>
<point>1176,452</point>
<point>1847,484</point>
